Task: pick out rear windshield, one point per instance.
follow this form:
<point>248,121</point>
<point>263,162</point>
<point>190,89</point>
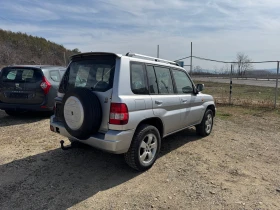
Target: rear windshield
<point>18,75</point>
<point>95,74</point>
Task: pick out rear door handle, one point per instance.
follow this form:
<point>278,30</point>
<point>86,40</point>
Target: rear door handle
<point>158,102</point>
<point>184,100</point>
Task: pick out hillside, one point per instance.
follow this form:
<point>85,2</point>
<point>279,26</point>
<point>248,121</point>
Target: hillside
<point>20,48</point>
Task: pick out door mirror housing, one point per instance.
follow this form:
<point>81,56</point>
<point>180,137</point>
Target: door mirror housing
<point>200,87</point>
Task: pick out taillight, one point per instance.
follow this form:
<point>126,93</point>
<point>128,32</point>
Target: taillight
<point>45,85</point>
<point>118,114</point>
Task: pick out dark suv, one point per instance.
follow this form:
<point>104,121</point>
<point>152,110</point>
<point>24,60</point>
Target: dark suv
<point>29,88</point>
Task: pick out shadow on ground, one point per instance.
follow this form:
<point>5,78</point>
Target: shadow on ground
<point>59,179</point>
<point>28,117</point>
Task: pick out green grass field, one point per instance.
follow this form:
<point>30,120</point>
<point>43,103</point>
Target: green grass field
<point>241,94</point>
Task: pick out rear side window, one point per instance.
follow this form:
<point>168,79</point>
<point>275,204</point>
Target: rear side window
<point>54,75</point>
<point>21,75</point>
<point>153,88</point>
<point>164,81</point>
<point>138,78</point>
<point>95,74</point>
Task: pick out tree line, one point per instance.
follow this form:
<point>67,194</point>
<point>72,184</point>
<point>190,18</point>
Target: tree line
<point>20,48</point>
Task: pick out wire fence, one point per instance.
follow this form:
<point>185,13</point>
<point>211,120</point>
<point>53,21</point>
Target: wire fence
<point>257,87</point>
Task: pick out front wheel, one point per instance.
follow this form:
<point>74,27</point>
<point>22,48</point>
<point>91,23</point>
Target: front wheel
<point>206,125</point>
<point>144,148</point>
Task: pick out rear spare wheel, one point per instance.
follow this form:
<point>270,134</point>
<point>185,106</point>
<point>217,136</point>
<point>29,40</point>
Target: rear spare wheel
<point>82,113</point>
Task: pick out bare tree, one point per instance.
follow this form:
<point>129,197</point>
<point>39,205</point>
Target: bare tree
<point>197,70</point>
<point>243,64</point>
<point>225,69</point>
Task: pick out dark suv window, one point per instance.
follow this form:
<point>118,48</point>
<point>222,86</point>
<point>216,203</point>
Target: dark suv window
<point>95,74</point>
<point>55,76</point>
<point>138,79</point>
<point>21,75</point>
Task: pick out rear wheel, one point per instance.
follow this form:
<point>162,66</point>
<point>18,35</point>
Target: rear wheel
<point>144,148</point>
<point>206,125</point>
<point>13,113</point>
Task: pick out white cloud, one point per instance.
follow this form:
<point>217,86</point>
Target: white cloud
<point>218,28</point>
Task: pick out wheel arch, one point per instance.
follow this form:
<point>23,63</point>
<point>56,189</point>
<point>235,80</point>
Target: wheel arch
<point>154,121</point>
<point>212,108</point>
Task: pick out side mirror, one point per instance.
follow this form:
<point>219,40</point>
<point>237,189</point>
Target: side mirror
<point>200,87</point>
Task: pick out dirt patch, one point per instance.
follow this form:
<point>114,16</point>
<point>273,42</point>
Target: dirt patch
<point>236,167</point>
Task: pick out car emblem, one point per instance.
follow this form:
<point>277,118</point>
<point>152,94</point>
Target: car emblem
<point>17,86</point>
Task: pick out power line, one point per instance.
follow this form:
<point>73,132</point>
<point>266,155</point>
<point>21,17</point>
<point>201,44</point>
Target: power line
<point>218,61</point>
<point>206,59</point>
<point>182,58</point>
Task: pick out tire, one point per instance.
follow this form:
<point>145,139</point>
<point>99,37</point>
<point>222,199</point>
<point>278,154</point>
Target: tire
<point>206,125</point>
<point>86,112</point>
<point>13,113</point>
<point>142,143</point>
<point>75,143</point>
<point>72,140</point>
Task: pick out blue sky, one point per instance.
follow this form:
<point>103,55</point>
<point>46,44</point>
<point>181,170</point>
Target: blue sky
<point>218,28</point>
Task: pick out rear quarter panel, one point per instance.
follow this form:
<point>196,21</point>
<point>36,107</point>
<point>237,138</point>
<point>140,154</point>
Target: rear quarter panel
<point>139,106</point>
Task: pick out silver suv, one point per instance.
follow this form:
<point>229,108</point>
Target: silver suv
<point>128,103</point>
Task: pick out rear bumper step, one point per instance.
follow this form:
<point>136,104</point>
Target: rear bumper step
<point>112,141</point>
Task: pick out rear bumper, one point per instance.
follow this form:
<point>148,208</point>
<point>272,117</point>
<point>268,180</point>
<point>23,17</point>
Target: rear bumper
<point>112,141</point>
<point>25,107</point>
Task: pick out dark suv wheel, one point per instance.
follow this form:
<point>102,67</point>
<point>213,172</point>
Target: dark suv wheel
<point>13,113</point>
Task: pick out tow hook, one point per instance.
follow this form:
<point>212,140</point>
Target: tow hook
<point>67,147</point>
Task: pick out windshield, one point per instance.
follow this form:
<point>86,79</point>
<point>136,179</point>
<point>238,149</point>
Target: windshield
<point>96,75</point>
<point>21,75</point>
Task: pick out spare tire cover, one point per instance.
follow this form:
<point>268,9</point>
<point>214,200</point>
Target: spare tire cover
<point>82,113</point>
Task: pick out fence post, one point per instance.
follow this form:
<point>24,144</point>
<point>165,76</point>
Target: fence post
<point>230,87</point>
<point>276,87</point>
<point>191,61</point>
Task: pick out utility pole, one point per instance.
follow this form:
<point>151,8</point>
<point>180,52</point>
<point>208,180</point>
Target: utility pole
<point>276,88</point>
<point>230,84</point>
<point>64,58</point>
<point>158,51</point>
<point>191,60</point>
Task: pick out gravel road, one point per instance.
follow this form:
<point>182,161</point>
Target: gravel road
<point>236,167</point>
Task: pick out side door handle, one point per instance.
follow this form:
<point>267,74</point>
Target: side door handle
<point>158,102</point>
<point>184,100</point>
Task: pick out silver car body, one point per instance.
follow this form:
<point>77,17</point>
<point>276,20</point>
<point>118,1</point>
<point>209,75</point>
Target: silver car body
<point>174,112</point>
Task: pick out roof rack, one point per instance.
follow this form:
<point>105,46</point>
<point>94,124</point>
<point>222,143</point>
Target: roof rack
<point>152,58</point>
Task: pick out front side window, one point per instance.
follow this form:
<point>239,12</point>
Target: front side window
<point>164,81</point>
<point>138,81</point>
<point>95,74</point>
<point>182,81</point>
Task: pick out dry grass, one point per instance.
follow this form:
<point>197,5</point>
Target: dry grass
<point>244,95</point>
